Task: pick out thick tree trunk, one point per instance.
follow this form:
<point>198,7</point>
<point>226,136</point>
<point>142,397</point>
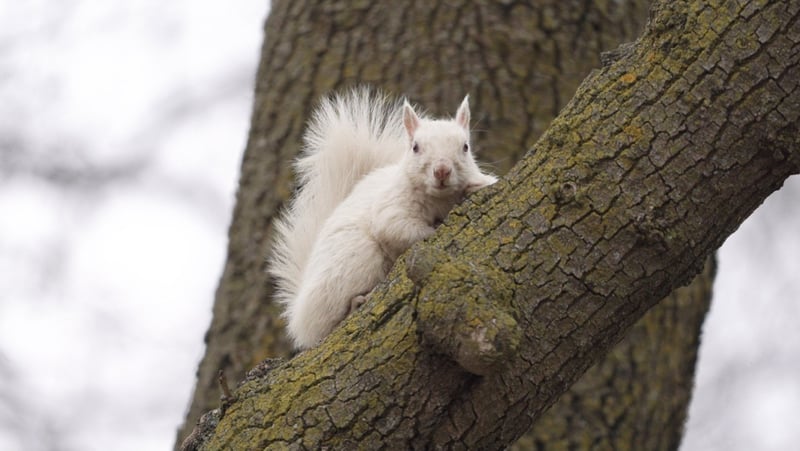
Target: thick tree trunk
<point>568,208</point>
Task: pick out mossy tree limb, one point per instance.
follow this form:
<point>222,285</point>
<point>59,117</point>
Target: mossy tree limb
<point>657,159</point>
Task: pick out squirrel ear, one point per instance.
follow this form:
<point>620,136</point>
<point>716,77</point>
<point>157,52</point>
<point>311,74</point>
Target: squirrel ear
<point>462,116</point>
<point>410,118</point>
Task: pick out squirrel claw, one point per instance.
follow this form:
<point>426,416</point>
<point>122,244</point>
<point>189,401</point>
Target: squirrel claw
<point>357,302</point>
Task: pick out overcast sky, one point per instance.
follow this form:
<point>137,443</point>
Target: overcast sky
<point>121,131</point>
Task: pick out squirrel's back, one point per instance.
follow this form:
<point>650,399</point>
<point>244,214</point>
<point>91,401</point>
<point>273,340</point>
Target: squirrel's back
<point>349,136</point>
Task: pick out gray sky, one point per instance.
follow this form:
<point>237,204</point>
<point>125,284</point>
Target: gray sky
<point>121,131</point>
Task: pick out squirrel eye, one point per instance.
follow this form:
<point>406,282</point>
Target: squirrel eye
<point>466,147</point>
<point>415,148</point>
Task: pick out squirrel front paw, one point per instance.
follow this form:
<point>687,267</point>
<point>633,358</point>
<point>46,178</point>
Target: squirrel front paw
<point>357,302</point>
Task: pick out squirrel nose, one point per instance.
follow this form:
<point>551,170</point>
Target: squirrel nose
<point>442,172</point>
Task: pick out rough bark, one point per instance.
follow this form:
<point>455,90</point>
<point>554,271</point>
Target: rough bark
<point>637,396</point>
<point>655,161</point>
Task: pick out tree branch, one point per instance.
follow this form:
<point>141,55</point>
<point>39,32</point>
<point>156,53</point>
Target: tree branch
<point>657,159</point>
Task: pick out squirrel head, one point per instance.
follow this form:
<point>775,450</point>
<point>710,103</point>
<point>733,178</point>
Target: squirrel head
<point>440,159</point>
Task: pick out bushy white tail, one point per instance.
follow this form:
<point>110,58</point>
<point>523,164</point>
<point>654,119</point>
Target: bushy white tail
<point>348,136</point>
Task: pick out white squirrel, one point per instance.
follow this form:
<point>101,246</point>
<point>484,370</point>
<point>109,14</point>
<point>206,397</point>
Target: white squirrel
<point>374,178</point>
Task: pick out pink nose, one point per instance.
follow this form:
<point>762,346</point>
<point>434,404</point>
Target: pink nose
<point>442,172</point>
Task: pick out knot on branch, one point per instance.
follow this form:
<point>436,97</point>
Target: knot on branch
<point>463,311</point>
<point>565,193</point>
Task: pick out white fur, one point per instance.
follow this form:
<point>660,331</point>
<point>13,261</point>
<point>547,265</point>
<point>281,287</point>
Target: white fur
<point>365,197</point>
<point>347,137</point>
